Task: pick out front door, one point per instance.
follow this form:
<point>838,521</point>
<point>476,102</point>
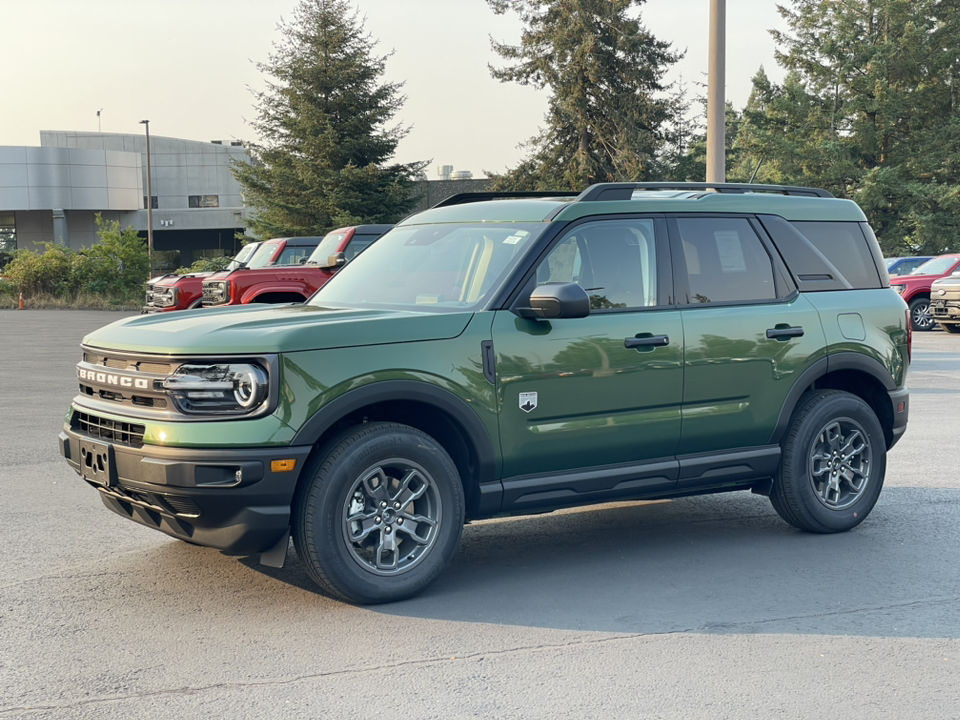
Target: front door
<point>590,407</point>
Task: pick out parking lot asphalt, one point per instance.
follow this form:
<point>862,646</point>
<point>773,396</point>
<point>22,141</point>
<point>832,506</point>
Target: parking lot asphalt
<point>707,607</point>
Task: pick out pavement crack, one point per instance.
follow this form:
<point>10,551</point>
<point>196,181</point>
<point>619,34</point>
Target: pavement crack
<point>421,662</point>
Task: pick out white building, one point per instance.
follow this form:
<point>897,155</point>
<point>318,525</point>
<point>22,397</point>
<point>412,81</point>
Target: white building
<point>52,193</point>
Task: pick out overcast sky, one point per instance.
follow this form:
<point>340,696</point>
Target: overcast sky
<point>186,65</point>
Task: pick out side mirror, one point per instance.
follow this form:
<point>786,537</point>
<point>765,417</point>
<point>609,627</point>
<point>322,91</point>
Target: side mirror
<point>336,260</point>
<point>557,300</point>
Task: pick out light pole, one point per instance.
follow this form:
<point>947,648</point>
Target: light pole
<point>716,105</point>
<point>149,204</point>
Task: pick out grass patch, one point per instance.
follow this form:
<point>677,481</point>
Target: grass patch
<point>82,301</point>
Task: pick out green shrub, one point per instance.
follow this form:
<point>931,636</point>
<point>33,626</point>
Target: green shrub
<point>48,272</point>
<point>115,267</point>
<point>207,264</point>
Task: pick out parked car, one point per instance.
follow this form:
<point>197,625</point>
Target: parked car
<point>915,287</point>
<point>512,356</point>
<point>297,282</point>
<point>185,292</point>
<point>945,302</point>
<point>278,254</point>
<point>905,265</point>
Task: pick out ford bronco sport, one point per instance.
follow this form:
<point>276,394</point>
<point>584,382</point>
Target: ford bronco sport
<point>511,356</point>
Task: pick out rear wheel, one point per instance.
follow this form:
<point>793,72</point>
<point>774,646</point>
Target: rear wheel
<point>920,315</point>
<point>833,463</point>
<point>380,515</point>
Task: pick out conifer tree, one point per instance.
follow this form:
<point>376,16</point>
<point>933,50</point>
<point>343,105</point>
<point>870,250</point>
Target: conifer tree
<point>322,161</point>
<point>603,71</point>
<point>869,110</point>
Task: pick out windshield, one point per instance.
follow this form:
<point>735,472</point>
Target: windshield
<point>327,247</point>
<point>439,268</point>
<point>262,256</point>
<point>936,266</point>
<point>245,253</point>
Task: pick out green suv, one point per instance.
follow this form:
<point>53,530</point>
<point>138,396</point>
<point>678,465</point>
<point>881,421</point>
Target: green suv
<point>509,356</point>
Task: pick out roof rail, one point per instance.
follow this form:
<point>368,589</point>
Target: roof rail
<point>462,198</point>
<point>624,191</point>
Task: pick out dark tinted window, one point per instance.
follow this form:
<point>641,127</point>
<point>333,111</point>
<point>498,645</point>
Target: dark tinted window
<point>726,262</point>
<point>844,245</point>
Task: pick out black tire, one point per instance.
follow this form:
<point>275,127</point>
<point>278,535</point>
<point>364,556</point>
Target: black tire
<point>393,481</point>
<point>952,328</point>
<point>825,422</point>
<point>920,316</point>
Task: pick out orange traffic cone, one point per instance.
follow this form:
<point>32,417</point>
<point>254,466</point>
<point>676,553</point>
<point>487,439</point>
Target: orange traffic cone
<point>20,304</point>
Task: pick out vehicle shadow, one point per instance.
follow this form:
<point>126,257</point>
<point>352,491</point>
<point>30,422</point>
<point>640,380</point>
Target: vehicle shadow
<point>709,564</point>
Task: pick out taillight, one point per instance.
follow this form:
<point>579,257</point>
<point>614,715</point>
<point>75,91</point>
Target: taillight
<point>909,337</point>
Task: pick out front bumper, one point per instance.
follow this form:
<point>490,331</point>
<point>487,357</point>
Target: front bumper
<point>945,310</point>
<point>227,499</point>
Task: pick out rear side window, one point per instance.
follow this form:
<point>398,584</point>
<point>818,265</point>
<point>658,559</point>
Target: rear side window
<point>725,261</point>
<point>844,244</point>
<point>293,255</point>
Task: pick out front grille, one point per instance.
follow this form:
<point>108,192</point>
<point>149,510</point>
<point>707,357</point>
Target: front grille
<point>115,431</point>
<point>121,363</point>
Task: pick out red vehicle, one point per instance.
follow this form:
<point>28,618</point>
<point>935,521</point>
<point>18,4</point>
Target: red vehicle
<point>915,287</point>
<point>285,282</point>
<point>184,292</point>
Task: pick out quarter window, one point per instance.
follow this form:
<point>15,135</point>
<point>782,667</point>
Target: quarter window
<point>725,261</point>
<point>614,261</point>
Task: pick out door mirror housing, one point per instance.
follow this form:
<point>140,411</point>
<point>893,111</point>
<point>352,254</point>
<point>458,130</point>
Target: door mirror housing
<point>336,260</point>
<point>557,300</point>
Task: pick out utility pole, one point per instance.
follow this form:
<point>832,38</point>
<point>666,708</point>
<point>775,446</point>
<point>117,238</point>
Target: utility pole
<point>716,103</point>
<point>149,204</point>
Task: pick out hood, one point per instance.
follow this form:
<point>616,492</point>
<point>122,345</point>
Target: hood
<point>947,281</point>
<point>902,279</point>
<point>171,280</point>
<point>252,329</point>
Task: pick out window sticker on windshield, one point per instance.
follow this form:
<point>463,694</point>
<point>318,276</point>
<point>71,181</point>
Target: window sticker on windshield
<point>730,251</point>
<point>516,237</point>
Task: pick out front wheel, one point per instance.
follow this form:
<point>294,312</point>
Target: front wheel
<point>920,316</point>
<point>380,515</point>
<point>832,465</point>
<point>951,328</point>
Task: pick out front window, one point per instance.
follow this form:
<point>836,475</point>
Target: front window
<point>936,266</point>
<point>440,268</point>
<point>327,247</point>
<point>246,252</point>
<point>261,258</point>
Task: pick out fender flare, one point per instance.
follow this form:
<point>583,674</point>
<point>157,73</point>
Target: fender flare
<point>831,363</point>
<point>387,390</point>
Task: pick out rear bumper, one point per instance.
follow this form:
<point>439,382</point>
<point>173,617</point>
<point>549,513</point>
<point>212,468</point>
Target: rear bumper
<point>900,401</point>
<point>196,494</point>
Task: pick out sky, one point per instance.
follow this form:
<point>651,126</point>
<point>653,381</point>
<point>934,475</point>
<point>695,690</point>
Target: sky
<point>189,66</point>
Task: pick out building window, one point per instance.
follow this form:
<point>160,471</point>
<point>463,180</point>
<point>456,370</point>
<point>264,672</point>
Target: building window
<point>153,202</point>
<point>8,232</point>
<point>204,201</point>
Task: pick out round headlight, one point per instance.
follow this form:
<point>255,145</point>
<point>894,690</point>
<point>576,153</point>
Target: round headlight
<point>250,385</point>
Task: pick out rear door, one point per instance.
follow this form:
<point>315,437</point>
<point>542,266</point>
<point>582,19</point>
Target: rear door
<point>748,334</point>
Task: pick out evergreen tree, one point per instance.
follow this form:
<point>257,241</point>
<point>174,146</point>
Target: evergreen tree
<point>322,162</point>
<point>603,71</point>
<point>869,110</point>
